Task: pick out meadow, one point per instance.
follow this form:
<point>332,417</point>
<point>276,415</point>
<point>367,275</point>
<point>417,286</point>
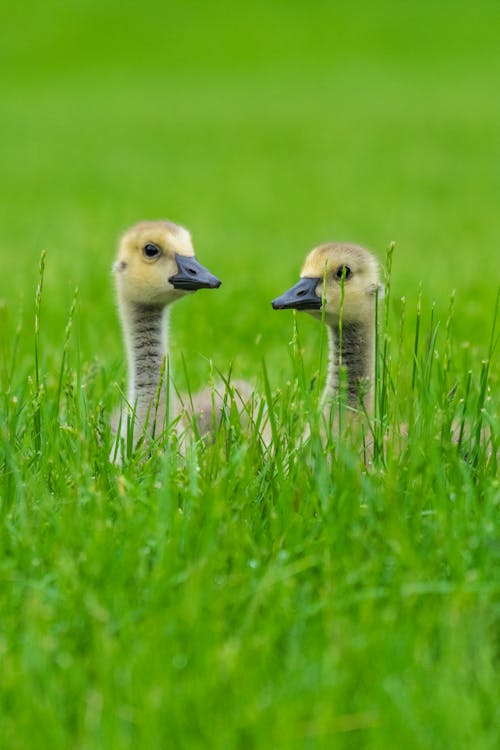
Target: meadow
<point>238,596</point>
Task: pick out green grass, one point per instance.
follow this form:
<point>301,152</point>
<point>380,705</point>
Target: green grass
<point>239,598</point>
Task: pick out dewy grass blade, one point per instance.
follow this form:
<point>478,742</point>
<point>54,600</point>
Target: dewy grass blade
<point>67,334</point>
<point>275,432</point>
<point>386,338</point>
<point>417,337</point>
<point>464,409</point>
<point>38,391</point>
<point>448,352</point>
<point>342,374</point>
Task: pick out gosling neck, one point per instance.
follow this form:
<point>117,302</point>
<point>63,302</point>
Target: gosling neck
<point>146,340</point>
<point>353,347</point>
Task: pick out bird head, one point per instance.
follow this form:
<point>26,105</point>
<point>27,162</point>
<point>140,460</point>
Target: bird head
<point>156,264</point>
<point>337,279</point>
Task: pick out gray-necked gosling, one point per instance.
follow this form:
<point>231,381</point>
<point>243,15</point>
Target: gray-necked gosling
<point>155,267</point>
<point>339,284</point>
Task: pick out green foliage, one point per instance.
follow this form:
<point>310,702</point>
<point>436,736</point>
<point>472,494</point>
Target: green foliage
<point>335,592</point>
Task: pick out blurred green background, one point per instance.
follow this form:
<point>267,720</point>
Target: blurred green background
<point>266,128</point>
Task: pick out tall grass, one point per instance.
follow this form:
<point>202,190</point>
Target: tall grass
<point>288,595</point>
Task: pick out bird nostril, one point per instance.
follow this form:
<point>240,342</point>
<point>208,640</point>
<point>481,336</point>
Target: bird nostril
<point>192,271</point>
<point>301,293</point>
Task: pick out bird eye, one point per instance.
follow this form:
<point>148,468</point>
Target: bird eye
<point>343,271</point>
<point>150,250</point>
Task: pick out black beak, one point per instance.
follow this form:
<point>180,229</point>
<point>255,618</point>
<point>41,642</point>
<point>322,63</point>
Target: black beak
<point>192,275</point>
<point>302,296</point>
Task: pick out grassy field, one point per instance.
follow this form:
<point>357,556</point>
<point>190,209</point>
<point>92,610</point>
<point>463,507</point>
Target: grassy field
<point>237,598</point>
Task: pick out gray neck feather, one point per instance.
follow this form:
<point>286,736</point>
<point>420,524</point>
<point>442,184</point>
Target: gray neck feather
<point>146,339</point>
<point>354,349</point>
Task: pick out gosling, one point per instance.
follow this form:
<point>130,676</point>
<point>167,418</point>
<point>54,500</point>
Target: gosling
<point>155,267</point>
<point>339,284</point>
